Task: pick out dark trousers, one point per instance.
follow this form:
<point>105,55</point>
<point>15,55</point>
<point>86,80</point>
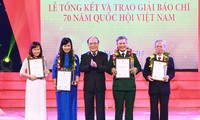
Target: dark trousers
<point>154,99</point>
<point>121,97</point>
<point>89,98</point>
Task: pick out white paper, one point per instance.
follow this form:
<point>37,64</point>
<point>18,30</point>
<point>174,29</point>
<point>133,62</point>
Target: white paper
<point>64,80</point>
<point>36,67</point>
<point>123,68</point>
<point>159,70</point>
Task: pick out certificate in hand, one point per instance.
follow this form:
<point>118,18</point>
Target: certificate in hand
<point>123,68</point>
<point>63,81</point>
<point>36,67</point>
<point>159,70</point>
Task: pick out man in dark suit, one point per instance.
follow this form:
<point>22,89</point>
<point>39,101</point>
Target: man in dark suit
<point>124,88</point>
<point>159,90</point>
<point>94,64</point>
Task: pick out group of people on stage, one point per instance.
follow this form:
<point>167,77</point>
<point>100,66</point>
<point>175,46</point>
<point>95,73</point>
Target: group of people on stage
<point>94,64</point>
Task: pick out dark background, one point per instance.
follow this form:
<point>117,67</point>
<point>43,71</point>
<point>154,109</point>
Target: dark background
<point>6,34</point>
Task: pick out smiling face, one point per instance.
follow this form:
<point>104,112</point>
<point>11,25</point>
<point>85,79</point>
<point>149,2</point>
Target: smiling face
<point>67,47</point>
<point>93,44</point>
<point>122,45</point>
<point>159,48</point>
<point>36,51</point>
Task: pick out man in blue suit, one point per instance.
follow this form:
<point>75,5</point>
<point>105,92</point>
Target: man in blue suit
<point>159,90</point>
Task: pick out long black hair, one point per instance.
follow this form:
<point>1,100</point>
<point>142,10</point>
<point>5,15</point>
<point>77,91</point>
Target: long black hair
<point>34,45</point>
<point>65,41</point>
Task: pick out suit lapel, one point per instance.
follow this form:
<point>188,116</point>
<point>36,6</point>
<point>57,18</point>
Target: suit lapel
<point>120,55</point>
<point>98,56</point>
<point>126,54</point>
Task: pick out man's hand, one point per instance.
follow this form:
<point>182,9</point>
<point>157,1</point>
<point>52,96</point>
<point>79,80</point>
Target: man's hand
<point>166,78</point>
<point>134,70</point>
<point>93,63</point>
<point>114,71</point>
<point>149,77</point>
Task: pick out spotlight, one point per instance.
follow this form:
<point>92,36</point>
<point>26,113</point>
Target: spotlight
<point>7,59</point>
<point>6,65</point>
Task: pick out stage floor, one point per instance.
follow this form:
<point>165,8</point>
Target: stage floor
<point>139,114</point>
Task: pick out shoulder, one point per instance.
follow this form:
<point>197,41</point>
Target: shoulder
<point>25,60</point>
<point>171,59</point>
<point>44,58</point>
<point>148,58</point>
<point>102,53</point>
<point>76,56</point>
<point>134,54</point>
<point>56,57</point>
<point>85,54</point>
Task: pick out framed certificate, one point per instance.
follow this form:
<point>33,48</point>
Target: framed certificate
<point>36,67</point>
<point>159,70</point>
<point>123,67</point>
<point>63,81</point>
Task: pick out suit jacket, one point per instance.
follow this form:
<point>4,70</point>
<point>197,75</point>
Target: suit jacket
<point>125,83</point>
<point>94,78</point>
<point>159,86</point>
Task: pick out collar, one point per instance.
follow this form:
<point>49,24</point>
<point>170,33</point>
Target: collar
<point>123,52</point>
<point>157,56</point>
<point>93,52</point>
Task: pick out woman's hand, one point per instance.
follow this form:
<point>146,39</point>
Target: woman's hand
<point>54,81</point>
<point>47,71</point>
<point>76,81</point>
<point>32,77</point>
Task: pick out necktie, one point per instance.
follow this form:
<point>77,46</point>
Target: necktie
<point>159,58</point>
<point>122,54</point>
<point>94,54</point>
